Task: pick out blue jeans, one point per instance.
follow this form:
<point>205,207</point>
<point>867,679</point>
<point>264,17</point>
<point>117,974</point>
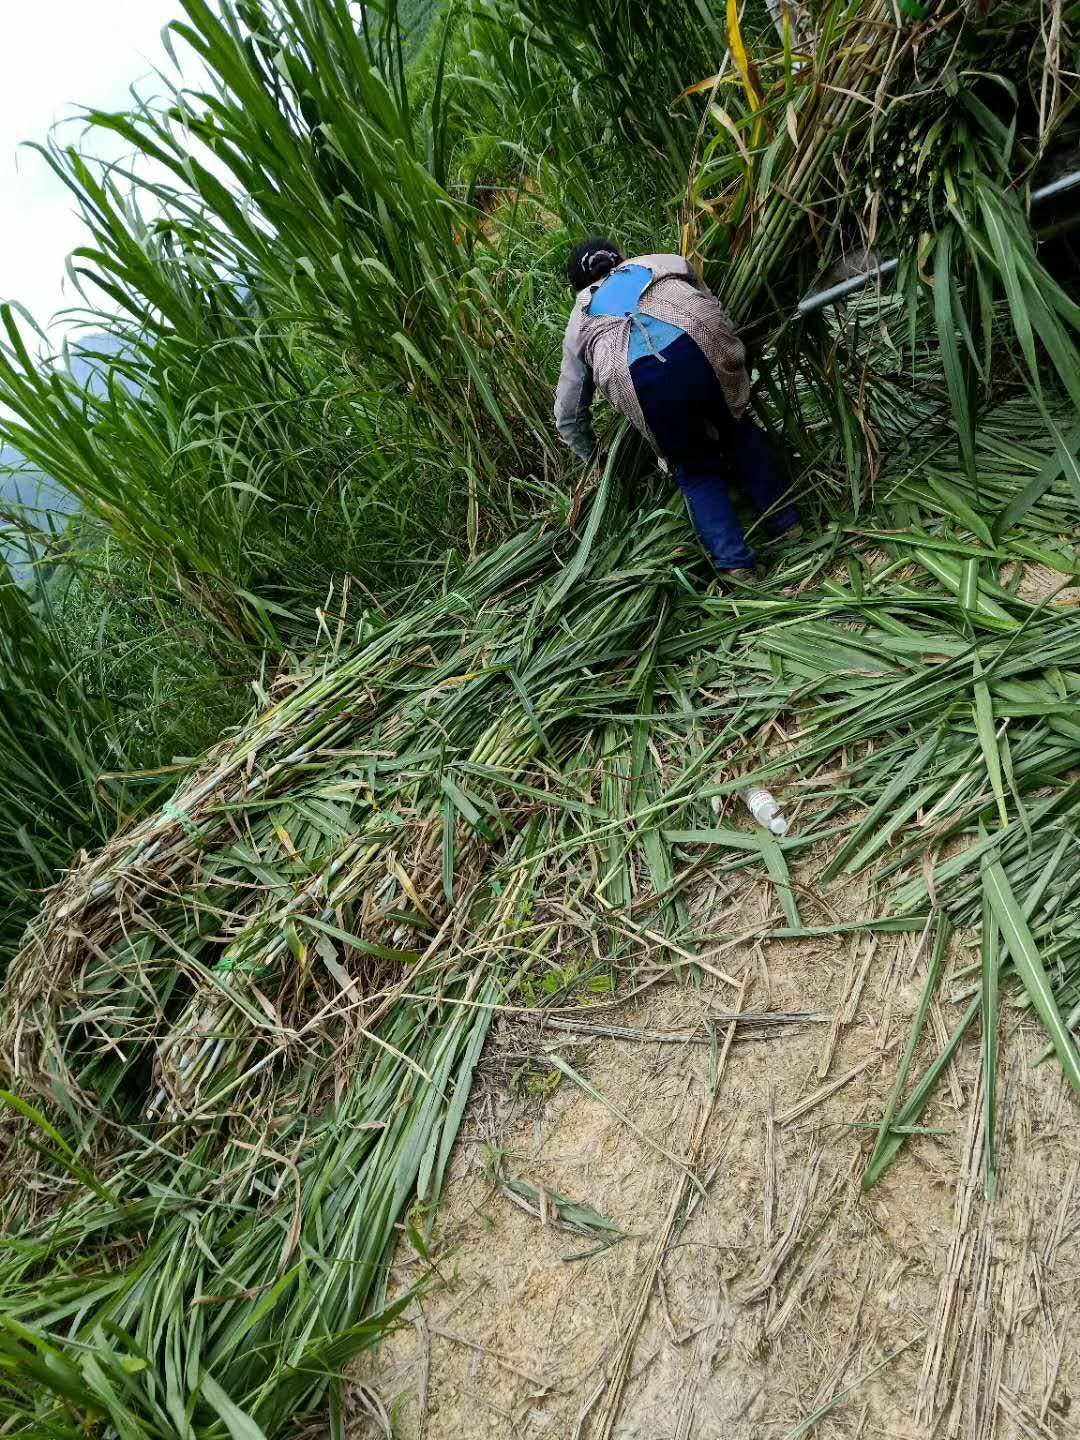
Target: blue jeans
<point>679,395</point>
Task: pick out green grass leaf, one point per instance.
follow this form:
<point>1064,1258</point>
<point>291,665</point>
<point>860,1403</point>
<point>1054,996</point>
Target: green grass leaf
<point>1025,956</point>
<point>238,1422</point>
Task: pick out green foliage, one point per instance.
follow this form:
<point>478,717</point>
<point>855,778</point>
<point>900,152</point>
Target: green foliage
<point>621,67</point>
<point>282,385</point>
<point>148,655</point>
<point>100,676</point>
<point>54,737</point>
<point>416,18</point>
<point>291,372</point>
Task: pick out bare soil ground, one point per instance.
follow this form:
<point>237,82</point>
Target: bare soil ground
<point>760,1285</point>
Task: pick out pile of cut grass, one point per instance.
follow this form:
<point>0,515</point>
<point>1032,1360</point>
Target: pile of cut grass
<point>255,1016</point>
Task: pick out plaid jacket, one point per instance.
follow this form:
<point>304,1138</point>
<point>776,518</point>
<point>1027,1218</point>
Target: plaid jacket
<point>595,349</point>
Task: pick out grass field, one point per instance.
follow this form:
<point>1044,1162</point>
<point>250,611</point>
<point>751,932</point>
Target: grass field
<point>348,685</point>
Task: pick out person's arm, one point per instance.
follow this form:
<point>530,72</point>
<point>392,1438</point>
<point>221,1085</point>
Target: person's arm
<point>574,396</point>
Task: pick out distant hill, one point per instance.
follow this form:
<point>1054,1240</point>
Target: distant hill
<point>22,483</point>
<point>47,503</point>
<point>84,355</point>
<point>416,17</point>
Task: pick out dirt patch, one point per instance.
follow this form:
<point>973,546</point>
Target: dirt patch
<point>1038,583</point>
<point>761,1284</point>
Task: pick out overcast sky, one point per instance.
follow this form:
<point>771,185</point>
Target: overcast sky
<point>60,54</point>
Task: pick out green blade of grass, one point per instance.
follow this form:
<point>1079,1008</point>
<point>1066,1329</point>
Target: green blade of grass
<point>990,963</point>
<point>886,1135</point>
<point>984,725</point>
<point>1025,956</point>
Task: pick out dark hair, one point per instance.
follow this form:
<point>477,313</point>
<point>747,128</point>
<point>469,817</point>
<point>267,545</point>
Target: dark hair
<point>592,260</point>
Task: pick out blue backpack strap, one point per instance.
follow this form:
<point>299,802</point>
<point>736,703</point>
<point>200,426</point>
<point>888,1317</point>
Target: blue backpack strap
<point>620,292</point>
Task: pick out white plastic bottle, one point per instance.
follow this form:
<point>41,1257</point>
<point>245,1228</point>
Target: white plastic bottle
<point>764,809</point>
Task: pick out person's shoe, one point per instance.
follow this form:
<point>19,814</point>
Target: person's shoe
<point>730,582</point>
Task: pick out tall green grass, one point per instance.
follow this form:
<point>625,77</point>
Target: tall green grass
<point>293,376</point>
<point>880,143</point>
<point>618,69</point>
<point>54,742</point>
<point>301,367</point>
<point>108,689</point>
<point>307,326</point>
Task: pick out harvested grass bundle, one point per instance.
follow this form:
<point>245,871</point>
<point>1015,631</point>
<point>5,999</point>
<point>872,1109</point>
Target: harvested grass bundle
<point>242,954</point>
<point>293,965</point>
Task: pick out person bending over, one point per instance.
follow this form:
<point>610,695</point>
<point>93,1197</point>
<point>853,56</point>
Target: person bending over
<point>660,347</point>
